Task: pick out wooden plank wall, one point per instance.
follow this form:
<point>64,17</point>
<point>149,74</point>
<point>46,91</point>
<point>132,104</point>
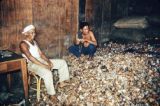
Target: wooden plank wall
<point>14,14</point>
<point>56,23</point>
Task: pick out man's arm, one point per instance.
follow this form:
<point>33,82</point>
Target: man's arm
<point>77,40</point>
<point>25,50</point>
<point>44,57</point>
<point>93,40</point>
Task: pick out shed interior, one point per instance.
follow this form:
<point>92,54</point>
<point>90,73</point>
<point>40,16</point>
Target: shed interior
<point>57,22</point>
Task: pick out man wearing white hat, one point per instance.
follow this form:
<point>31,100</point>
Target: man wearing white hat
<point>40,64</point>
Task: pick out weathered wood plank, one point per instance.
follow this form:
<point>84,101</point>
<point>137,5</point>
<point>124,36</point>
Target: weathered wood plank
<point>54,19</point>
<point>14,15</point>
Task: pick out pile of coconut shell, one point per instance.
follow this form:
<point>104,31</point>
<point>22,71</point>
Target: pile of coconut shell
<point>119,75</point>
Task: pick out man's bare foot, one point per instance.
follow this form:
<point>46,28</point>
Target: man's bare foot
<point>53,98</point>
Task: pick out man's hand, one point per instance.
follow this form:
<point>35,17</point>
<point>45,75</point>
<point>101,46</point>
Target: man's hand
<point>50,64</point>
<point>47,67</point>
<point>77,41</point>
<point>82,40</point>
<point>86,40</point>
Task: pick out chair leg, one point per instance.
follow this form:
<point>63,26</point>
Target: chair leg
<point>38,89</point>
<point>29,79</point>
<point>38,97</point>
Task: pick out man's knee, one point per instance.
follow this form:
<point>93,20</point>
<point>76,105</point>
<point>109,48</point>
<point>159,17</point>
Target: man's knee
<point>63,62</point>
<point>92,47</point>
<point>74,50</point>
<point>71,48</point>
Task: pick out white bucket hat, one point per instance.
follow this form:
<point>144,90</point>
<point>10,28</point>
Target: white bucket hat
<point>28,28</point>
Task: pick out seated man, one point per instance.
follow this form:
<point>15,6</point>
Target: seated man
<point>40,64</point>
<point>86,44</point>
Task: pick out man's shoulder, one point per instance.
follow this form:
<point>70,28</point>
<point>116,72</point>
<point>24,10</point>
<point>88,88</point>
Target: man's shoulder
<point>91,33</point>
<point>23,44</point>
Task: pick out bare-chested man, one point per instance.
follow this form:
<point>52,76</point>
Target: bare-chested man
<point>85,42</point>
